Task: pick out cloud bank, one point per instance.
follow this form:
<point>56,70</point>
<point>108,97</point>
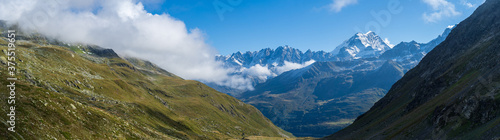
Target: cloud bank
<point>338,5</point>
<point>441,9</point>
<point>126,27</point>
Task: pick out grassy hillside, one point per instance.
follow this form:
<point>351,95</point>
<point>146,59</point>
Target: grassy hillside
<point>68,91</point>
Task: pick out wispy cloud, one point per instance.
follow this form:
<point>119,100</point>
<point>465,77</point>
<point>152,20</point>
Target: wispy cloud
<point>470,4</point>
<point>441,9</point>
<point>126,27</point>
<point>338,5</point>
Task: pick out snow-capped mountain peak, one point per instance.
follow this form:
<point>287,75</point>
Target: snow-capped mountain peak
<point>362,45</point>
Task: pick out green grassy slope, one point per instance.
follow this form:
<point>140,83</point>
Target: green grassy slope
<point>70,92</point>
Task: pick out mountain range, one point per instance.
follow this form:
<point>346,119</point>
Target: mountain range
<point>451,94</point>
<point>284,58</point>
<point>327,95</point>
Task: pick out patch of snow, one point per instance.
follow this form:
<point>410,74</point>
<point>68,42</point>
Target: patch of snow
<point>451,26</point>
<point>237,62</point>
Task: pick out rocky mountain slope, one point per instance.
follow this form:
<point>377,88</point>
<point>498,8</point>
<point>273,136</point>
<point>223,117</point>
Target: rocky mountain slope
<point>328,96</point>
<point>453,93</point>
<point>76,91</point>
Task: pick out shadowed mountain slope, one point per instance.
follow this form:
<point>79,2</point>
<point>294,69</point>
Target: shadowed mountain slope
<point>451,94</point>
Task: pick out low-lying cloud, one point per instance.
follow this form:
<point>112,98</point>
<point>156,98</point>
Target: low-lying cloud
<point>258,71</point>
<point>264,72</point>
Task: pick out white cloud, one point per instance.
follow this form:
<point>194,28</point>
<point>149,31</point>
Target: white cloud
<point>441,9</point>
<point>261,72</point>
<point>337,5</point>
<point>126,27</point>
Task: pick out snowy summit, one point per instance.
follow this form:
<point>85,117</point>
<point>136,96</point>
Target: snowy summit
<point>362,46</point>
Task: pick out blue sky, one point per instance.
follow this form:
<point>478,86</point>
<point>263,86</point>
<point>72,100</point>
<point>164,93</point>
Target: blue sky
<point>191,33</point>
<point>250,25</point>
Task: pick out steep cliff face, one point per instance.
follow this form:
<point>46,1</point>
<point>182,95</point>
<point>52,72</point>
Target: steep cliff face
<point>454,92</point>
<point>76,91</point>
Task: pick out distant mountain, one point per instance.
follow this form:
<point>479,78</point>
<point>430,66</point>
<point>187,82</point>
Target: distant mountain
<point>360,46</point>
<point>276,57</point>
<point>77,91</point>
<point>453,93</point>
<point>276,61</point>
<point>429,46</point>
<point>327,96</point>
<point>410,53</point>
